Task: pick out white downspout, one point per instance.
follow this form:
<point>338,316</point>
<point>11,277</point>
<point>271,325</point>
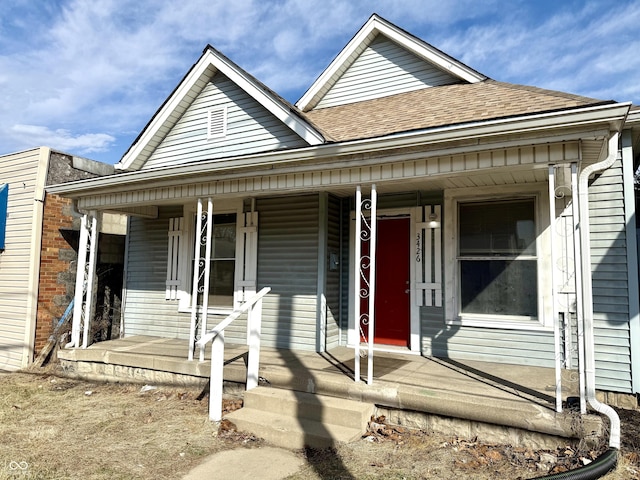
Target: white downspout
<point>587,292</point>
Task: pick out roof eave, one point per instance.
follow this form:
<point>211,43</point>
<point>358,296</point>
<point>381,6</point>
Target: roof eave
<point>613,115</point>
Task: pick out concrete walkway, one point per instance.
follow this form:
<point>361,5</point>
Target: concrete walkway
<point>266,463</point>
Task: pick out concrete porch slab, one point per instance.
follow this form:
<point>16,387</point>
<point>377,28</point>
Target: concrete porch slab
<point>479,393</point>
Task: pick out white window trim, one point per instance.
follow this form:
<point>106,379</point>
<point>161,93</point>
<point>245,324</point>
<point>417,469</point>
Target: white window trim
<point>452,197</point>
<point>187,250</point>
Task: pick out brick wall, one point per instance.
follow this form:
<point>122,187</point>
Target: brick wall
<point>60,233</point>
<point>57,267</point>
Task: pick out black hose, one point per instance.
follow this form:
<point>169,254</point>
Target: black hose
<point>596,469</point>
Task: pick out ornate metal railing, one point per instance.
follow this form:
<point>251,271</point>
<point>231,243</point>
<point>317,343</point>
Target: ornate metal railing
<point>365,274</point>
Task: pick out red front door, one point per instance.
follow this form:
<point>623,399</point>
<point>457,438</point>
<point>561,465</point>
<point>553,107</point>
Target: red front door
<point>392,283</point>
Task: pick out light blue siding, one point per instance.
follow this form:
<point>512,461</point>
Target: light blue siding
<point>333,276</point>
<point>518,347</point>
<point>384,68</point>
<point>610,281</point>
<point>146,310</point>
<point>251,128</point>
<point>287,253</point>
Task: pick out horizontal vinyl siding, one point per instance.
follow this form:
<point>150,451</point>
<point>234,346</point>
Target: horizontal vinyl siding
<point>20,172</point>
<point>384,68</point>
<point>146,310</point>
<point>518,347</point>
<point>287,262</point>
<point>251,128</point>
<point>610,286</point>
<point>333,277</point>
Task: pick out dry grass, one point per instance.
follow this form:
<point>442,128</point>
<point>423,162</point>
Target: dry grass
<point>61,431</point>
<point>56,430</point>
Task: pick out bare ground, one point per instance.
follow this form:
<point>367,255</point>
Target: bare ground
<point>57,428</point>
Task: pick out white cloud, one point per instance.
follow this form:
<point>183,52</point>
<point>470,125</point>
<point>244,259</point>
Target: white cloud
<point>69,66</point>
<point>33,135</point>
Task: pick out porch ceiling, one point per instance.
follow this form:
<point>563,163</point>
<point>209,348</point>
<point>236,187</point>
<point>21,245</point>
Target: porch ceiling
<point>493,177</point>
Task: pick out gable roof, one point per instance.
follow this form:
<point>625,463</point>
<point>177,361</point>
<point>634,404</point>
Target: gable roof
<point>192,84</point>
<point>440,106</point>
<point>375,26</point>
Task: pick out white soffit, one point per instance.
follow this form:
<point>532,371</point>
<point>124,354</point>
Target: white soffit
<point>170,112</point>
<point>374,26</point>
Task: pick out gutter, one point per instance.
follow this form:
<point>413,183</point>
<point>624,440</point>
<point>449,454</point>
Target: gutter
<point>587,292</point>
<point>613,114</point>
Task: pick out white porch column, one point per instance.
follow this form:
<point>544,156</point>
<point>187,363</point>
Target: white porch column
<point>554,287</point>
<point>201,268</point>
<point>365,270</point>
<point>85,273</point>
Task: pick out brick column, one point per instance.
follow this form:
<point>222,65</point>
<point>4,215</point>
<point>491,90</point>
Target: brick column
<point>57,268</point>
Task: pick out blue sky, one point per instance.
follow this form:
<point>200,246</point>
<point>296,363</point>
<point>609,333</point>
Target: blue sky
<point>85,76</point>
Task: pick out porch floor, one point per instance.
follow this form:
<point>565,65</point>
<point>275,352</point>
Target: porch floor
<point>511,396</point>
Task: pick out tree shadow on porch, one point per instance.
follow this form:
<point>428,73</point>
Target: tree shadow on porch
<point>500,383</point>
<point>486,374</point>
<point>305,381</point>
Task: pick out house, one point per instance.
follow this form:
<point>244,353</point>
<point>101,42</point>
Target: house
<point>38,248</point>
<point>502,215</point>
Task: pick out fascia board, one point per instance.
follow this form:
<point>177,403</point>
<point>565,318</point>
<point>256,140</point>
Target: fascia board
<point>275,106</point>
<point>613,115</point>
<point>363,38</point>
<point>633,117</point>
<point>162,117</point>
<point>358,40</point>
<point>429,53</point>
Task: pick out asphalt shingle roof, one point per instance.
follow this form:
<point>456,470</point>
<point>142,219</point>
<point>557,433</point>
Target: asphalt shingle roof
<point>439,106</point>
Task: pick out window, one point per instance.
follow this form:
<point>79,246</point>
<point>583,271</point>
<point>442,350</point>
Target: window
<point>222,265</point>
<point>4,201</point>
<point>233,261</point>
<point>223,261</point>
<point>497,258</point>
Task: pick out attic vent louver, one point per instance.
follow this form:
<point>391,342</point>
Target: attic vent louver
<point>217,123</point>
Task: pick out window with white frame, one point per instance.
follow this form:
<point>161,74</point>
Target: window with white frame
<point>497,259</point>
<point>222,265</point>
<point>233,257</point>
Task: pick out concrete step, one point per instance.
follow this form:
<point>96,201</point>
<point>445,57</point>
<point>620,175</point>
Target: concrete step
<point>295,419</point>
<point>321,408</point>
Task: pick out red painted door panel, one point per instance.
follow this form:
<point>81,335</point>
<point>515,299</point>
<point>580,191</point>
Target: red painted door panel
<point>392,283</point>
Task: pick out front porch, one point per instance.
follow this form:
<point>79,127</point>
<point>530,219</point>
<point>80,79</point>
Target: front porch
<point>497,402</point>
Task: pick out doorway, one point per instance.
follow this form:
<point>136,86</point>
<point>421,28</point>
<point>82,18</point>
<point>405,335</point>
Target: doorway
<point>392,293</point>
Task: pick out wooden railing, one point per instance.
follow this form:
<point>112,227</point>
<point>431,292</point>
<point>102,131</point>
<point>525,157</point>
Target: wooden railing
<point>216,336</point>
